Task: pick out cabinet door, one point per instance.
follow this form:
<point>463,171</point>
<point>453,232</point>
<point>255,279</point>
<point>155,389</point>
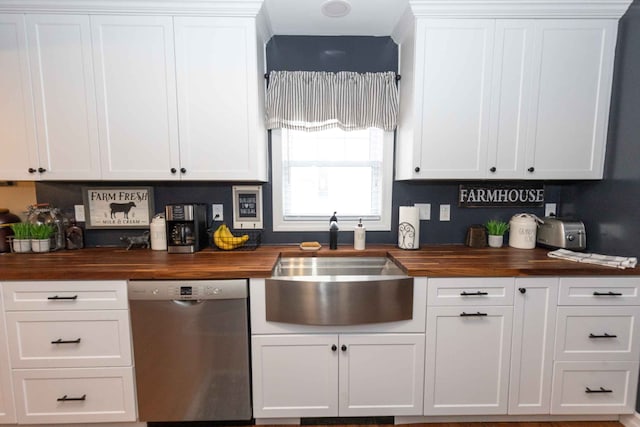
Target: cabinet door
<point>455,68</point>
<point>7,408</point>
<point>572,82</point>
<point>221,132</point>
<point>467,360</point>
<point>381,374</point>
<point>295,376</point>
<point>64,93</point>
<point>137,111</point>
<point>511,95</point>
<point>17,122</point>
<point>534,320</point>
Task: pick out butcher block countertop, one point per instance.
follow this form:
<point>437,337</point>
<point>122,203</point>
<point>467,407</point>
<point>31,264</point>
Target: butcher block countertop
<point>431,261</point>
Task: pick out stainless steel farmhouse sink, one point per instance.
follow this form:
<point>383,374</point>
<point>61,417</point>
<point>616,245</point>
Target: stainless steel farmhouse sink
<point>338,291</point>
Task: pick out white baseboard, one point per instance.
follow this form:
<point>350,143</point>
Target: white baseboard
<point>632,420</point>
<point>506,419</point>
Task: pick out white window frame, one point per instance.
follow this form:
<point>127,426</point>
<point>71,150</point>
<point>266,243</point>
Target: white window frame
<point>280,224</point>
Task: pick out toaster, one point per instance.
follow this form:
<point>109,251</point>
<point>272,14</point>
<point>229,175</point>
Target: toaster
<point>562,233</point>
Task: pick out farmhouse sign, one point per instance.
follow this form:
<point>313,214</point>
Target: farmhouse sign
<point>500,195</point>
<point>119,207</point>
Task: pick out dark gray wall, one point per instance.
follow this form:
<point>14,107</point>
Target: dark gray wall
<point>610,207</point>
<point>360,54</point>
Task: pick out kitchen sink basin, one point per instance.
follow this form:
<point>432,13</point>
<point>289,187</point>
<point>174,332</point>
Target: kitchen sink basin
<point>338,291</point>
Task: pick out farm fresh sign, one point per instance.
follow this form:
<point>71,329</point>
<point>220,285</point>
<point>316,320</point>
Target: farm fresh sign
<point>124,207</point>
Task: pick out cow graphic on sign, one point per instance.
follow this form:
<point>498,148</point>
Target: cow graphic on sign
<point>121,207</point>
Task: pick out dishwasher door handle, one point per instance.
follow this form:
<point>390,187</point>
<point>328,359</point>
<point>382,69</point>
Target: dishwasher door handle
<point>188,302</point>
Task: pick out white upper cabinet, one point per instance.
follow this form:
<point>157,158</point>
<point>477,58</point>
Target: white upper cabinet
<point>137,109</point>
<point>222,134</point>
<point>64,94</point>
<point>524,98</point>
<point>571,82</point>
<point>17,122</point>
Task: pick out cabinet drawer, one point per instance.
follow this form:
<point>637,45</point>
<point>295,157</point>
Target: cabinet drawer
<point>470,291</point>
<point>599,291</point>
<point>594,387</point>
<point>50,295</point>
<point>74,395</point>
<point>53,339</point>
<point>597,333</point>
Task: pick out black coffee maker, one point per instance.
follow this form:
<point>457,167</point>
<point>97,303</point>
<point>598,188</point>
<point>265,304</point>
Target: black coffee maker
<point>186,228</point>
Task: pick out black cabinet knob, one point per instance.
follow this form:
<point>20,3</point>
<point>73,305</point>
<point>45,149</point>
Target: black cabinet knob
<point>343,348</point>
<point>531,169</point>
<point>183,170</point>
<point>522,290</point>
<point>417,169</point>
<point>31,170</point>
<point>174,170</point>
<point>42,170</point>
<point>334,347</point>
<point>493,169</point>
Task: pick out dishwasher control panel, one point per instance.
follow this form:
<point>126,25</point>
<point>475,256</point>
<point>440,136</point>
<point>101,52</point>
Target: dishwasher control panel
<point>187,289</point>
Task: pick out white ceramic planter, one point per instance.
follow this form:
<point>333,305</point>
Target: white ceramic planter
<point>496,241</point>
<point>21,245</point>
<point>40,245</point>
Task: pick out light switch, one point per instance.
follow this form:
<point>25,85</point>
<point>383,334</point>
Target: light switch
<point>424,210</point>
<point>79,213</point>
<point>445,212</point>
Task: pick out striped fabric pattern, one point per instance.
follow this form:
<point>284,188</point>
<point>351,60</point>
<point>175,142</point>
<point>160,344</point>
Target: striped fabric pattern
<point>318,100</point>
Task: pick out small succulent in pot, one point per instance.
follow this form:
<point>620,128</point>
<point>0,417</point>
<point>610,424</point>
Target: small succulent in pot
<point>42,231</point>
<point>40,237</point>
<point>496,228</point>
<point>21,230</point>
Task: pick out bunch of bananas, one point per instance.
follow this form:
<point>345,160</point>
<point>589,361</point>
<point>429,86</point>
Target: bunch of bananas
<point>225,240</point>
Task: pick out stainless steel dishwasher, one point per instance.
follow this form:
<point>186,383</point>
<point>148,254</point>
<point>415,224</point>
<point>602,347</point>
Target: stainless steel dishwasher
<point>191,349</point>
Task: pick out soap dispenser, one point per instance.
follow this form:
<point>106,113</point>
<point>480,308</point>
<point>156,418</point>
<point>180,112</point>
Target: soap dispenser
<point>333,232</point>
<point>359,236</point>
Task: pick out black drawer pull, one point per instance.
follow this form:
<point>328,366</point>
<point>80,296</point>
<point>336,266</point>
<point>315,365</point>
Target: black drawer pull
<point>607,294</point>
<point>61,341</point>
<point>606,335</point>
<point>334,347</point>
<point>56,298</point>
<point>601,390</point>
<point>343,348</point>
<point>473,294</point>
<point>478,314</point>
<point>65,398</point>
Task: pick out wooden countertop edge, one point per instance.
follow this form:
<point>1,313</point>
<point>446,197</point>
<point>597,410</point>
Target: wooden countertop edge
<point>429,261</point>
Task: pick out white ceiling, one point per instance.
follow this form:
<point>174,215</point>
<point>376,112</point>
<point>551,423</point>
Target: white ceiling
<point>303,17</point>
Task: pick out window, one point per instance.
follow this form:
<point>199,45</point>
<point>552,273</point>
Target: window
<point>317,173</point>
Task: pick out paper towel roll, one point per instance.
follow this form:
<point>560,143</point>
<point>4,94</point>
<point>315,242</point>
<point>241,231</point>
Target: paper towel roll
<point>409,228</point>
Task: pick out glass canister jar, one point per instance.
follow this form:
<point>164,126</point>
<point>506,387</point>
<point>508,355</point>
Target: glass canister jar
<point>6,219</point>
<point>42,213</point>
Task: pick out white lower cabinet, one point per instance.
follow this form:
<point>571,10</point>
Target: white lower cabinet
<point>69,351</point>
<point>467,360</point>
<point>534,322</point>
<point>74,395</point>
<point>7,407</point>
<point>596,347</point>
<point>337,375</point>
<point>594,387</point>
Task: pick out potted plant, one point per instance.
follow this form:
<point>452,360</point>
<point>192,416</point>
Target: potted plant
<point>496,230</point>
<point>21,237</point>
<point>41,237</point>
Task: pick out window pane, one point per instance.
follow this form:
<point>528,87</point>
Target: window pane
<point>332,170</point>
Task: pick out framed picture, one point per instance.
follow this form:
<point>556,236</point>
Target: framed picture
<point>247,207</point>
<point>118,207</point>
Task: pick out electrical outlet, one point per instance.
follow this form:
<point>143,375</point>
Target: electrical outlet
<point>217,212</point>
<point>550,209</point>
<point>445,212</point>
<point>79,213</point>
<point>424,210</point>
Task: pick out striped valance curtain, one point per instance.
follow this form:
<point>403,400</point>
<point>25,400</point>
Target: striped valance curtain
<point>314,101</point>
